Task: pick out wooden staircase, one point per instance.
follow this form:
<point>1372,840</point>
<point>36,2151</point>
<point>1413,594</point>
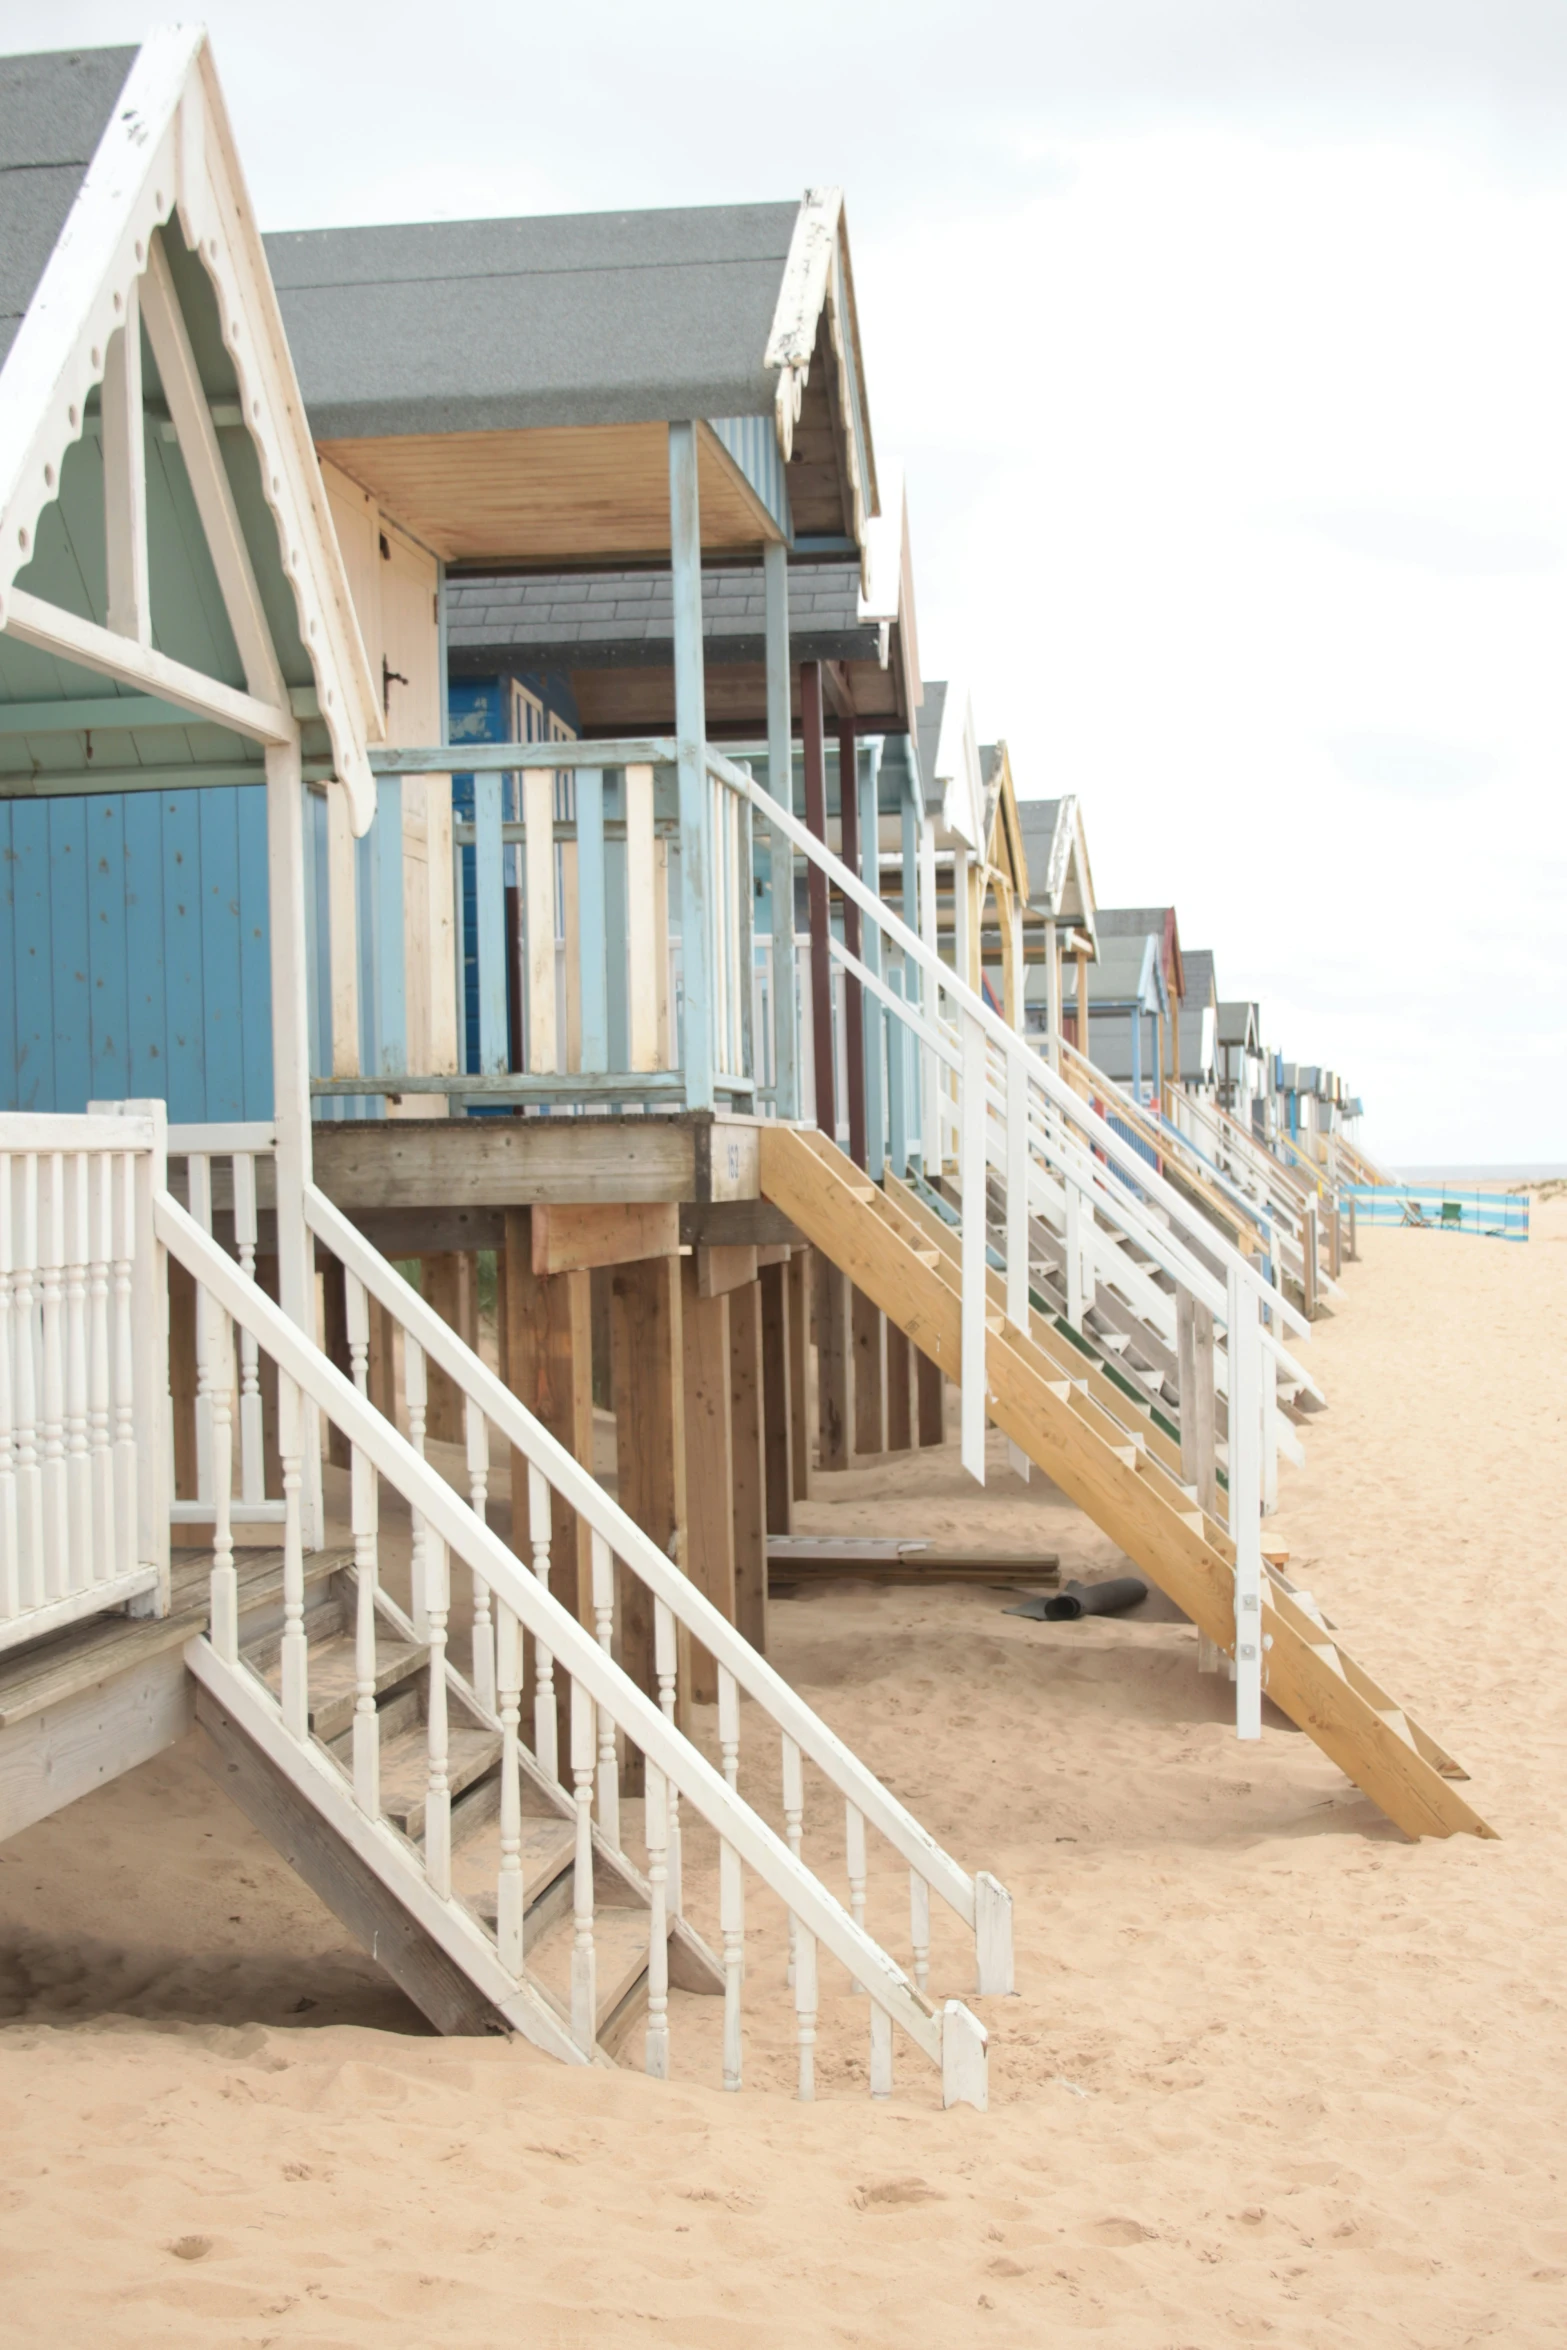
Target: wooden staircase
<point>1114,1461</point>
<point>434,1968</point>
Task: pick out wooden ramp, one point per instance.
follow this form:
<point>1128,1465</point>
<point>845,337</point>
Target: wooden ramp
<point>1115,1467</point>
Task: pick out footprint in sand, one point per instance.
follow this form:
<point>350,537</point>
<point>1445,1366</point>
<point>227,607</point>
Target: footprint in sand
<point>191,2247</point>
<point>889,2192</point>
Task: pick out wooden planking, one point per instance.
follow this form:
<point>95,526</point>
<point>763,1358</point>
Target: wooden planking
<point>900,1390</point>
<point>449,1284</point>
<point>511,1162</point>
<point>801,1284</point>
<point>91,1735</point>
<point>777,1399</point>
<point>867,1326</point>
<point>750,1486</point>
<point>710,1538</point>
<point>834,1361</point>
<point>549,492</point>
<point>569,1238</point>
<point>723,1268</point>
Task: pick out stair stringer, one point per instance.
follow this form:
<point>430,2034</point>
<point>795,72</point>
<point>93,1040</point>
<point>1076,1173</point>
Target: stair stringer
<point>1108,1473</point>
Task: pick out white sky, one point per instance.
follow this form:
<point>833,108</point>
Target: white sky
<point>1224,347</point>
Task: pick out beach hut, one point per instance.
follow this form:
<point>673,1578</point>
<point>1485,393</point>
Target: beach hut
<point>1160,923</point>
<point>1061,912</point>
<point>1198,1060</point>
<point>1129,1009</point>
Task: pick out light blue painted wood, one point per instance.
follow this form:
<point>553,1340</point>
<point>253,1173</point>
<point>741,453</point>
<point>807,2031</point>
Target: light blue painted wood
<point>745,925</point>
<point>69,945</point>
<point>914,981</point>
<point>185,1089</point>
<point>489,880</point>
<point>7,964</point>
<point>696,855</point>
<point>780,775</point>
<point>108,975</point>
<point>146,1011</point>
<point>897,1082</point>
<point>223,1042</point>
<point>255,967</point>
<point>386,865</point>
<point>34,965</point>
<point>752,441</point>
<point>592,936</point>
<point>618,1007</point>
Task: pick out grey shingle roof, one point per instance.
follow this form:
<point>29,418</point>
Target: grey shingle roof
<point>1038,820</point>
<point>1131,921</point>
<point>571,620</point>
<point>496,325</point>
<point>54,108</point>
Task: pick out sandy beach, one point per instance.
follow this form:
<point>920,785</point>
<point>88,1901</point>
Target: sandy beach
<point>1272,2075</point>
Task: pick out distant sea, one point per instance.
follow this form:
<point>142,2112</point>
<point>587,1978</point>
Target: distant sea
<point>1538,1173</point>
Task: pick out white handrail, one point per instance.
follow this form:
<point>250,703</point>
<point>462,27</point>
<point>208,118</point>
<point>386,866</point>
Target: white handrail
<point>730,1650</point>
<point>954,2038</point>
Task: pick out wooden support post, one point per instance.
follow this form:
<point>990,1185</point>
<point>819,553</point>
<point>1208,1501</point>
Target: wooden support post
<point>449,1284</point>
<point>696,845</point>
<point>710,1468</point>
<point>870,1432</point>
<point>1053,995</point>
<point>1082,1003</point>
<point>853,994</point>
<point>747,1417</point>
<point>799,1286</point>
<point>777,1399</point>
<point>780,782</point>
<point>548,1365</point>
<point>335,1340</point>
<point>648,1383</point>
<point>1309,1266</point>
<point>182,1375</point>
<point>816,887</point>
<point>932,1401</point>
<point>834,1364</point>
<point>1199,1457</point>
<point>900,1390</point>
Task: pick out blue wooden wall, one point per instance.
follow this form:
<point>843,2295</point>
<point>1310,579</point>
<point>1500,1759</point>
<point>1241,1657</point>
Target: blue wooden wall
<point>133,952</point>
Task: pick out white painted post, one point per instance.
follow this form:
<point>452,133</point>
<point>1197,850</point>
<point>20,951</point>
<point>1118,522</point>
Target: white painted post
<point>655,1809</point>
<point>971,1177</point>
<point>144,1467</point>
<point>129,611</point>
<point>416,1394</point>
<point>85,1566</point>
<point>29,1473</point>
<point>805,2008</point>
<point>696,848</point>
<point>919,1927</point>
<point>538,800</point>
<point>855,1864</point>
<point>1017,1160</point>
<point>291,1079</point>
<point>584,1986</point>
<point>666,1670</point>
<point>198,1179</point>
<point>295,1660</point>
<point>225,1583</point>
<point>366,1504</point>
<point>1245,1473</point>
<point>252,1458</point>
<point>731,1924</point>
<point>546,1737</point>
<point>964,2068</point>
<point>1052,995</point>
<point>477,1431</point>
<point>780,783</point>
<point>992,1937</point>
<point>510,1891</point>
<point>930,1004</point>
<point>56,1498</point>
<point>881,2051</point>
<point>10,1564</point>
<point>604,1630</point>
<point>438,1796</point>
<point>794,1822</point>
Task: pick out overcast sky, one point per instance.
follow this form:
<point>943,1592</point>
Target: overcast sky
<point>1224,345</point>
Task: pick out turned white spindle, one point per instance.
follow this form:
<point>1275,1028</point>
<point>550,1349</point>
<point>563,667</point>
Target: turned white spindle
<point>100,1435</point>
<point>805,2007</point>
<point>51,1275</point>
<point>881,2052</point>
<point>477,1430</point>
<point>919,1926</point>
<point>794,1823</point>
<point>198,1175</point>
<point>854,1853</point>
<point>225,1583</point>
<point>126,1473</point>
<point>24,1342</point>
<point>584,1973</point>
<point>604,1627</point>
<point>731,1923</point>
<point>416,1391</point>
<point>510,1891</point>
<point>84,1567</point>
<point>356,1308</point>
<point>365,1499</point>
<point>295,1662</point>
<point>252,1453</point>
<point>10,1563</point>
<point>655,1807</point>
<point>545,1737</point>
<point>438,1797</point>
<point>729,1727</point>
<point>666,1668</point>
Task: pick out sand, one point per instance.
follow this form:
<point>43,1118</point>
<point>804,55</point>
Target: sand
<point>1272,2075</point>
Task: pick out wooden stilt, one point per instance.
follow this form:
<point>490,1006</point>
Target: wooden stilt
<point>777,1400</point>
<point>932,1401</point>
<point>710,1468</point>
<point>548,1364</point>
<point>798,1288</point>
<point>868,1326</point>
<point>746,1315</point>
<point>648,1383</point>
<point>449,1284</point>
<point>900,1390</point>
<point>182,1376</point>
<point>834,1364</point>
<point>335,1339</point>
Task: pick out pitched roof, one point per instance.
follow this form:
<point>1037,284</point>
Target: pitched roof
<point>54,108</point>
<point>497,325</point>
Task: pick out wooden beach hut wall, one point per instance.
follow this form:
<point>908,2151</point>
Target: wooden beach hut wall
<point>1002,885</point>
<point>1239,1058</point>
<point>1160,922</point>
<point>1128,1009</point>
<point>1199,1023</point>
<point>1061,915</point>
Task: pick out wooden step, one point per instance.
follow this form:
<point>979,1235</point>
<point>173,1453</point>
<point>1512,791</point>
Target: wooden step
<point>620,1949</point>
<point>405,1770</point>
<point>332,1671</point>
<point>549,1843</point>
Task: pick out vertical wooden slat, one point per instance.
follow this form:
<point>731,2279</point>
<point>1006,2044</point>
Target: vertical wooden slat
<point>489,885</point>
<point>801,1285</point>
<point>750,1466</point>
<point>853,994</point>
<point>10,1560</point>
<point>85,1564</point>
<point>343,931</point>
<point>696,848</point>
<point>129,610</point>
<point>710,1545</point>
<point>641,926</point>
<point>538,797</point>
<point>834,1364</point>
<point>647,1355</point>
<point>780,783</point>
<point>390,959</point>
<point>778,1433</point>
<point>592,936</point>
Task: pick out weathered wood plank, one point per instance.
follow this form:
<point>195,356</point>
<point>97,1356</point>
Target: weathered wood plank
<point>576,1238</point>
<point>710,1540</point>
<point>747,1390</point>
<point>777,1399</point>
<point>648,1385</point>
<point>718,1270</point>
